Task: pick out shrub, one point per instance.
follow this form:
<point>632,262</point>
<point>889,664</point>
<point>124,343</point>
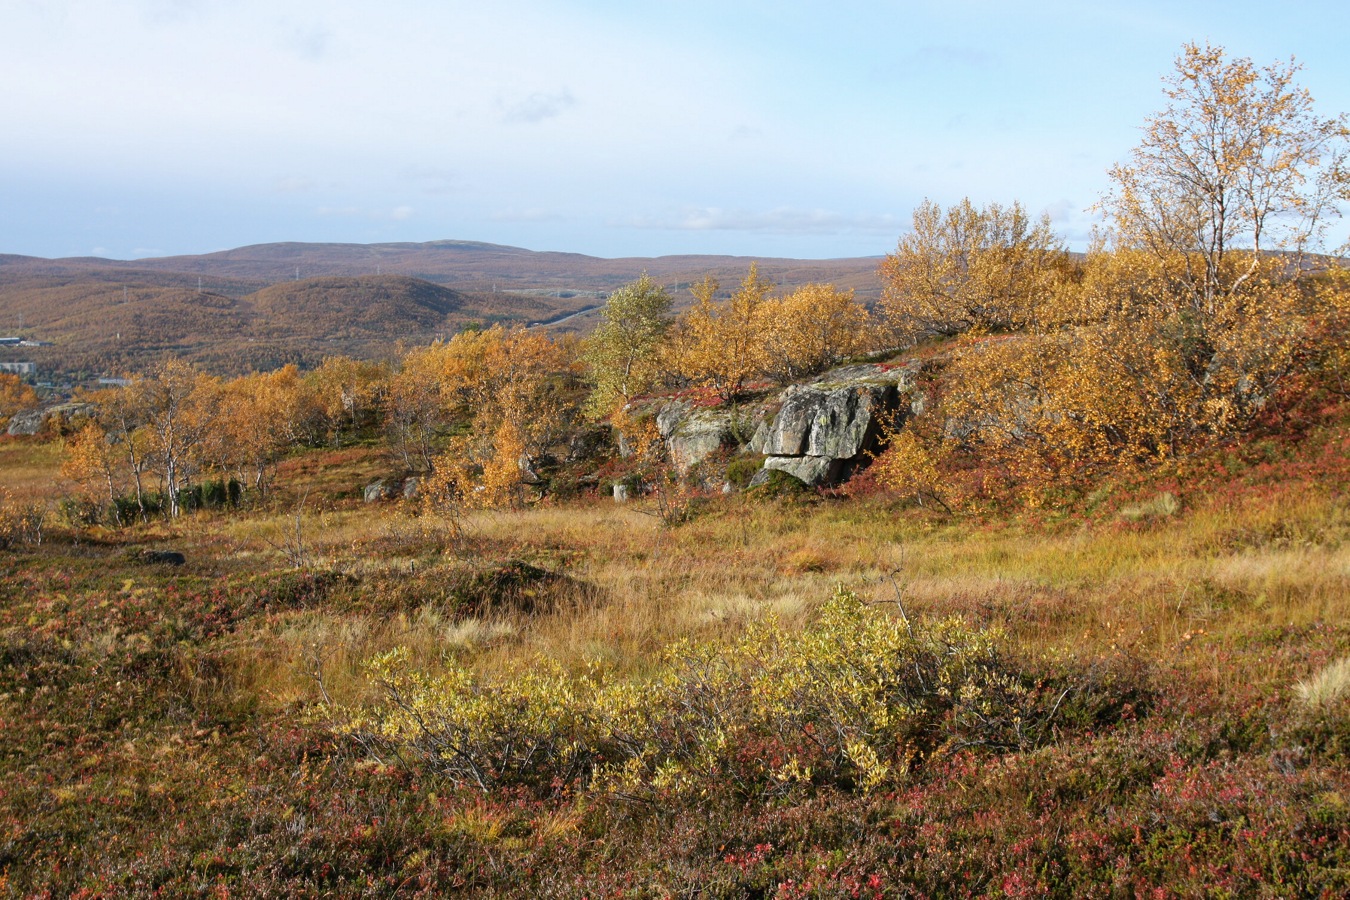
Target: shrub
<point>513,585</point>
<point>853,701</point>
<point>778,483</point>
<point>1330,685</point>
<point>1162,506</point>
<point>743,468</point>
<point>20,523</point>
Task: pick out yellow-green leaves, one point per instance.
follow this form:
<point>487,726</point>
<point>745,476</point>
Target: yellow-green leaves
<point>623,353</point>
<point>851,700</point>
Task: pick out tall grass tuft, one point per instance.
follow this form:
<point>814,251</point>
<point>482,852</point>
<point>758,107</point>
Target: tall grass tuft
<point>1329,686</point>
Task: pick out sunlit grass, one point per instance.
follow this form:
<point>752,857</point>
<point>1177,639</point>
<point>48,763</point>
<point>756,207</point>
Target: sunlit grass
<point>1160,589</point>
<point>32,469</point>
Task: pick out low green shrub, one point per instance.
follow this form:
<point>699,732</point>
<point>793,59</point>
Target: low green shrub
<point>740,469</point>
<point>782,485</point>
<point>854,702</point>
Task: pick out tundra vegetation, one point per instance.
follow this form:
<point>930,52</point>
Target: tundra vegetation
<point>1080,630</point>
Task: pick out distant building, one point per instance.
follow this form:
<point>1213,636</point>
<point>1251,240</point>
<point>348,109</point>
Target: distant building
<point>18,368</point>
<point>114,382</point>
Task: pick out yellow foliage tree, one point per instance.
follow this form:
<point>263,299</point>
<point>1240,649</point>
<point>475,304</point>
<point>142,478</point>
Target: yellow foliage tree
<point>1183,326</point>
<point>416,411</point>
<point>810,330</point>
<point>967,268</point>
<point>345,393</point>
<point>260,419</point>
<point>1236,165</point>
<point>509,387</point>
<point>178,405</point>
<point>724,341</point>
<point>94,464</point>
<point>15,396</point>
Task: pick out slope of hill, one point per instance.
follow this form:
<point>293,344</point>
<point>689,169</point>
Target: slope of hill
<point>268,304</point>
<point>346,307</point>
<point>462,264</point>
<point>95,326</point>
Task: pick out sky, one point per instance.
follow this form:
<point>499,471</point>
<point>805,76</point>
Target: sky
<point>138,128</point>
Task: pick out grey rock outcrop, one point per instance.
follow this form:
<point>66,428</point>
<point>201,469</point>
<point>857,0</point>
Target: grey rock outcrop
<point>692,434</point>
<point>32,421</point>
<point>376,491</point>
<point>824,430</point>
<point>28,422</point>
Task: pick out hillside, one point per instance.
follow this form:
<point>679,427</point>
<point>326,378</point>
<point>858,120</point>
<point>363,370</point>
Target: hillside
<point>268,304</point>
<point>98,326</point>
<point>470,265</point>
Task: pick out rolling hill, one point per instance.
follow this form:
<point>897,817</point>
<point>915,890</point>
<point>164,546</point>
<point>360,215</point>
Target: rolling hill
<point>265,305</point>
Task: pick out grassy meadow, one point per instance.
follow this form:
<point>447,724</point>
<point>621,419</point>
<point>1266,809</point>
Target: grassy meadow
<point>207,728</point>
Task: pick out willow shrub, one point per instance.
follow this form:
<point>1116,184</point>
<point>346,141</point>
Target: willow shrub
<point>853,700</point>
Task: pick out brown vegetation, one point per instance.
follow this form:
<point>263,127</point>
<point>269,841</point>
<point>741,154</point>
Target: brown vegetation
<point>1080,631</point>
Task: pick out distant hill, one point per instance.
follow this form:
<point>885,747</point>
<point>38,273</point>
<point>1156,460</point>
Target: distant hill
<point>465,265</point>
<point>268,304</point>
<point>96,327</point>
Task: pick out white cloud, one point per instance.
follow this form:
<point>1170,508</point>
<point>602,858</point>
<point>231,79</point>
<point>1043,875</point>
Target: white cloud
<point>538,107</point>
<point>774,221</point>
<point>308,42</point>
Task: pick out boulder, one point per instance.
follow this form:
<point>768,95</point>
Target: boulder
<point>34,420</point>
<point>812,470</point>
<point>27,422</point>
<point>692,434</point>
<point>824,430</point>
<point>376,491</point>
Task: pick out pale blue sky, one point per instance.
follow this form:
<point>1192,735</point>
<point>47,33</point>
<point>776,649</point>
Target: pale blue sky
<point>609,127</point>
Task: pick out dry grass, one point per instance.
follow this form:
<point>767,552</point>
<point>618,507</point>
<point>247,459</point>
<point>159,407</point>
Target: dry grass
<point>32,469</point>
<point>1179,588</point>
<point>1179,582</point>
<point>1326,688</point>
